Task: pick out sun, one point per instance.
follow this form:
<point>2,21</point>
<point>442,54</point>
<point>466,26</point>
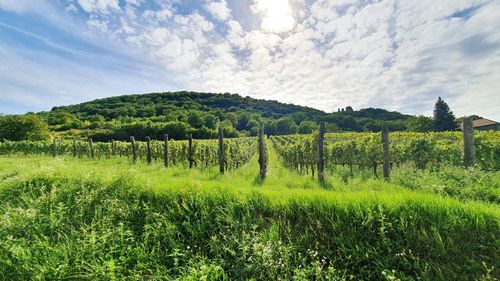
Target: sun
<point>276,15</point>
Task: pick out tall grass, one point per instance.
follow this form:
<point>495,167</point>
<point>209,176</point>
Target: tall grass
<point>52,227</point>
<point>110,220</point>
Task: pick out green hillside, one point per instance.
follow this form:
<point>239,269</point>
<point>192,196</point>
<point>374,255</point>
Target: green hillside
<point>180,113</point>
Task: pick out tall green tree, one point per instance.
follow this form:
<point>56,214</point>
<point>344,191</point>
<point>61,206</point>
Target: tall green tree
<point>444,120</point>
<point>23,127</point>
<point>307,127</point>
<point>419,124</point>
<point>283,126</point>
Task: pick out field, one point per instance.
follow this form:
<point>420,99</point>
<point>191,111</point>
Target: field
<point>106,219</point>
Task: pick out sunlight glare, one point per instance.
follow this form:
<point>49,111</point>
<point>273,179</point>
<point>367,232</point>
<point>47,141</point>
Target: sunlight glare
<point>276,15</point>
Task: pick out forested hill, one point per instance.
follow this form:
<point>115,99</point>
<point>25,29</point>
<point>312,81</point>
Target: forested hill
<point>162,104</point>
<point>181,113</point>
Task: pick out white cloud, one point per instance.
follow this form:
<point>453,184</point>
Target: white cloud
<point>103,6</point>
<point>398,55</point>
<point>219,10</point>
<point>161,15</point>
<point>134,2</point>
<point>99,25</point>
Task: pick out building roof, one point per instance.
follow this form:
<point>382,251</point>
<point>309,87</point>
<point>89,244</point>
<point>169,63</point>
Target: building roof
<point>483,122</point>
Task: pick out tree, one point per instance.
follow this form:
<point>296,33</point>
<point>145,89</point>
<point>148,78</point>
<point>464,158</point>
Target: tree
<point>444,120</point>
<point>242,121</point>
<point>332,128</point>
<point>254,126</point>
<point>349,123</point>
<point>300,116</point>
<point>175,129</point>
<point>60,118</point>
<point>419,124</point>
<point>23,127</point>
<point>211,121</point>
<point>307,127</point>
<point>228,129</point>
<point>231,116</point>
<point>372,126</point>
<point>283,126</point>
<point>195,119</point>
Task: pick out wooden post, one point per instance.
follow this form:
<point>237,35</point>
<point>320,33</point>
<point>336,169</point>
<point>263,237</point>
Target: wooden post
<point>91,146</point>
<point>74,148</point>
<point>387,156</point>
<point>469,149</point>
<point>134,150</point>
<point>262,153</point>
<point>165,150</point>
<point>148,149</point>
<point>321,159</point>
<point>113,147</point>
<point>190,151</point>
<point>54,147</point>
<point>221,151</point>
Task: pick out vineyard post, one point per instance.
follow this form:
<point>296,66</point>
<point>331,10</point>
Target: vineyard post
<point>113,148</point>
<point>54,147</point>
<point>321,159</point>
<point>387,156</point>
<point>262,153</point>
<point>91,146</point>
<point>221,151</point>
<point>165,149</point>
<point>469,150</point>
<point>109,147</point>
<point>190,151</point>
<point>134,151</point>
<point>74,148</point>
<point>148,150</point>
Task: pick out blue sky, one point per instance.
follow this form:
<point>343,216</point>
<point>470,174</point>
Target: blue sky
<point>326,54</point>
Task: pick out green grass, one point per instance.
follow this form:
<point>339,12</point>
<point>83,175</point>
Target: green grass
<point>110,220</point>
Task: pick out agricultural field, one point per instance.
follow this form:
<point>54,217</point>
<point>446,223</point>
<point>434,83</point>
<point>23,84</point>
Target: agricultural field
<point>79,210</point>
<point>249,140</point>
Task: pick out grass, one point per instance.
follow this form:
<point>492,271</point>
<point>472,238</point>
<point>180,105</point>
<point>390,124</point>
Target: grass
<point>108,220</point>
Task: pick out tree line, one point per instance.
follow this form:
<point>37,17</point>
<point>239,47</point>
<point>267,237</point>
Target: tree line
<point>200,114</point>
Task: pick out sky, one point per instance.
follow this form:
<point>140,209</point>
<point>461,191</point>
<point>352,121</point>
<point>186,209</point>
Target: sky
<point>398,55</point>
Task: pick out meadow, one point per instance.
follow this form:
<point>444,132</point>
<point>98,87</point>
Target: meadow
<point>86,219</point>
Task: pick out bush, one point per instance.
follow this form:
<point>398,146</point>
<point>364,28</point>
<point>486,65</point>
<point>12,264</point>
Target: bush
<point>23,127</point>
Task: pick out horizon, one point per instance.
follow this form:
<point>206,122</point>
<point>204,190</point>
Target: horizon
<point>397,56</point>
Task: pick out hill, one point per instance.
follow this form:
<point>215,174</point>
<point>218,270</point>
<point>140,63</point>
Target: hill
<point>156,104</point>
<point>180,113</point>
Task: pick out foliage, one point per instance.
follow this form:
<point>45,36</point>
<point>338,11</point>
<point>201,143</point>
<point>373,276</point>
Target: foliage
<point>444,120</point>
<point>282,126</point>
<point>123,116</point>
<point>109,220</point>
<point>237,151</point>
<point>62,228</point>
<point>23,127</point>
<point>420,124</point>
<point>307,127</point>
<point>424,150</point>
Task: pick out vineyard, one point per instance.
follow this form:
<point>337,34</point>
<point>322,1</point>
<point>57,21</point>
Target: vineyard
<point>300,152</point>
<point>364,150</point>
<point>77,209</point>
<point>204,152</point>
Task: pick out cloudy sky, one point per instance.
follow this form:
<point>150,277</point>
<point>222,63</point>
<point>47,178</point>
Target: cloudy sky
<point>326,54</point>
